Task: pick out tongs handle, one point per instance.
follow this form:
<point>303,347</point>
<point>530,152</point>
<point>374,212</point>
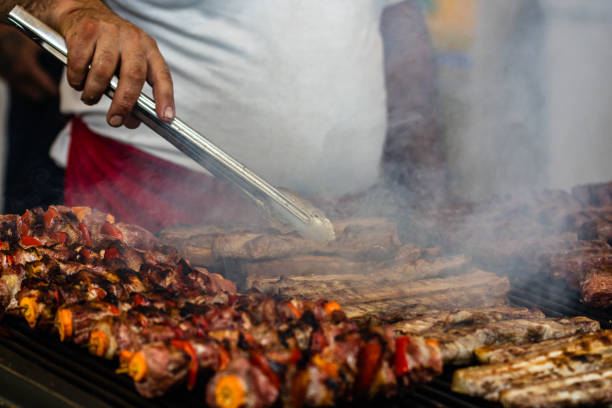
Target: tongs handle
<point>309,223</point>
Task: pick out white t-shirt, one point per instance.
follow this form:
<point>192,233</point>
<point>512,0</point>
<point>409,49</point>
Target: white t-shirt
<point>294,89</point>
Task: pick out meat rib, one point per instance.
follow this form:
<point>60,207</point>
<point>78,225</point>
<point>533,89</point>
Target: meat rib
<point>592,352</point>
<point>590,388</point>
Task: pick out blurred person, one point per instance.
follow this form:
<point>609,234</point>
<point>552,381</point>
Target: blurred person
<point>31,177</point>
<point>313,96</point>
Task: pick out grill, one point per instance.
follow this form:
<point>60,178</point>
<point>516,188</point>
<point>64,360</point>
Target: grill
<point>39,370</point>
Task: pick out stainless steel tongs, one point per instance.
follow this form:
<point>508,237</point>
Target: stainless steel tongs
<point>306,219</point>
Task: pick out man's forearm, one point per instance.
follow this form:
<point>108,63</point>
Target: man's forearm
<point>48,11</point>
<point>37,8</point>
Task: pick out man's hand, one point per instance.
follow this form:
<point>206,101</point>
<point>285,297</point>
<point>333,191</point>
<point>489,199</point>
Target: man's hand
<point>20,67</point>
<point>102,44</point>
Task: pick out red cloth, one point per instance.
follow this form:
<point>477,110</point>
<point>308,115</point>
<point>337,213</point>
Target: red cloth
<point>141,189</point>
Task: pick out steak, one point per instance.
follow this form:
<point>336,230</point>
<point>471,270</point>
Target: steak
<point>474,289</point>
<point>591,352</point>
<point>433,320</point>
<point>265,275</point>
<point>495,354</point>
<point>585,389</point>
<point>594,194</point>
<point>458,344</point>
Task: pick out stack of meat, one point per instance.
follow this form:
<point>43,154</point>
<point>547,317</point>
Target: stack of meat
<point>572,371</point>
<point>366,269</point>
<point>115,288</point>
<point>546,233</point>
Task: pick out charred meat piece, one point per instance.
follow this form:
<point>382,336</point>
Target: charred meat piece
<point>241,384</point>
<point>594,194</point>
<point>585,389</point>
<point>508,352</point>
<point>594,352</point>
<point>38,304</point>
<point>157,367</point>
<point>75,322</point>
<point>475,289</point>
<point>448,319</point>
<point>458,344</point>
<point>596,287</point>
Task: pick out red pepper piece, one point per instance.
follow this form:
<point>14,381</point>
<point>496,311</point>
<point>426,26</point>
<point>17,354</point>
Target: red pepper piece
<point>137,300</point>
<point>24,229</point>
<point>114,310</point>
<point>86,254</point>
<point>111,230</point>
<point>60,237</point>
<point>262,363</point>
<point>199,320</point>
<point>296,355</point>
<point>100,293</point>
<point>178,333</point>
<point>57,297</point>
<point>112,253</point>
<point>193,363</point>
<point>30,241</point>
<point>294,309</point>
<point>85,234</point>
<point>49,218</point>
<point>401,363</point>
<point>368,361</point>
<point>224,358</point>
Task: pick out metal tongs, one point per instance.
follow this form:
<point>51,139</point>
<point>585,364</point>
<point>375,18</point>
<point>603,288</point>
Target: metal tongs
<point>307,220</point>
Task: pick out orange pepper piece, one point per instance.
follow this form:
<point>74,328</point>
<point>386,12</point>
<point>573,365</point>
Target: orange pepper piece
<point>331,306</point>
<point>137,368</point>
<point>29,309</point>
<point>230,392</point>
<point>64,323</point>
<point>98,343</point>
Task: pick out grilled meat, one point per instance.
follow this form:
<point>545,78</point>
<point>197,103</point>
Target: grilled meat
<point>593,352</point>
<point>594,194</point>
<point>475,289</point>
<point>156,367</point>
<point>449,319</point>
<point>264,276</point>
<point>584,389</point>
<point>495,354</point>
<point>458,345</point>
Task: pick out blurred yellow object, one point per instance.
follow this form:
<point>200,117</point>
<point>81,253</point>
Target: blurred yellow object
<point>452,23</point>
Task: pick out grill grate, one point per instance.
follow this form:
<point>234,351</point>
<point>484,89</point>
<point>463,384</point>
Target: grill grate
<point>96,376</point>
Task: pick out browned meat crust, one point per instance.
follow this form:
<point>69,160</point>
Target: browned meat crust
<point>590,388</point>
<point>505,353</point>
<point>264,276</point>
<point>589,353</point>
<point>458,344</point>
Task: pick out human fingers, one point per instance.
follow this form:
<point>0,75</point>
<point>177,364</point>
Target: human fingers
<point>132,76</point>
<point>103,66</point>
<point>158,75</point>
<point>131,121</point>
<point>81,41</point>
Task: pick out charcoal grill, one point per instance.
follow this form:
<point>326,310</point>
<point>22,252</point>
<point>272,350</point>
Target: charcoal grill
<point>38,370</point>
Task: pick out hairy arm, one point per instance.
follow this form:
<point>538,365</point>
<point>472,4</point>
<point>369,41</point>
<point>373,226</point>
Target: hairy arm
<point>100,44</point>
<point>414,149</point>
